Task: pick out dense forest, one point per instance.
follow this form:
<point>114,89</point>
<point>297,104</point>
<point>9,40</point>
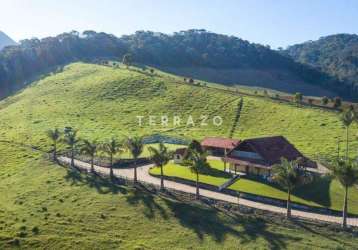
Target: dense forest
<point>192,48</point>
<point>336,55</point>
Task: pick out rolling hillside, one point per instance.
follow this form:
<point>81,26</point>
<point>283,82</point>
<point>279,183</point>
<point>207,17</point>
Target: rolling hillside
<point>45,206</point>
<point>103,102</point>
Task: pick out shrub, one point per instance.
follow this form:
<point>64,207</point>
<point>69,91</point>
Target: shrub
<point>337,102</point>
<point>35,230</point>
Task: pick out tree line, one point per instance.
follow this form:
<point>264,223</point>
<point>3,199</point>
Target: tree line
<point>181,49</point>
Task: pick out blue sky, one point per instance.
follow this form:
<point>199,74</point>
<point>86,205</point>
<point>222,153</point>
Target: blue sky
<point>273,22</point>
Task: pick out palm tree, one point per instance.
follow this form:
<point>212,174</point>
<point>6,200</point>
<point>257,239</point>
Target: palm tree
<point>289,175</point>
<point>71,140</point>
<point>112,148</point>
<point>90,148</point>
<point>196,158</point>
<point>347,118</point>
<point>160,156</point>
<point>346,171</point>
<point>55,136</point>
<point>135,146</point>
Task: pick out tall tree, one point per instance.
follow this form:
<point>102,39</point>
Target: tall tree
<point>160,156</point>
<point>289,175</point>
<point>90,148</point>
<point>298,98</point>
<point>324,100</point>
<point>135,146</point>
<point>195,157</point>
<point>55,136</point>
<point>347,118</point>
<point>337,102</point>
<point>71,140</point>
<point>346,171</point>
<point>127,60</point>
<point>112,148</point>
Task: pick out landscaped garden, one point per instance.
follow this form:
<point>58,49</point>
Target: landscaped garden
<point>322,192</point>
<point>215,176</point>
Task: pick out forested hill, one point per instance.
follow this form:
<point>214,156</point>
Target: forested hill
<point>196,50</point>
<point>336,55</point>
<point>5,40</point>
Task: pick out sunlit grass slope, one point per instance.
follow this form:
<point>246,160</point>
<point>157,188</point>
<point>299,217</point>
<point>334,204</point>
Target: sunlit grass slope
<point>42,206</point>
<point>103,102</point>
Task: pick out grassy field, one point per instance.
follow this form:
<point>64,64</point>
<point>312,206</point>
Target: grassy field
<point>103,102</point>
<point>323,192</point>
<point>44,206</point>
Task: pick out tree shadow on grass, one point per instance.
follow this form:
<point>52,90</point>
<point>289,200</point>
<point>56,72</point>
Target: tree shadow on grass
<point>316,231</point>
<point>257,228</point>
<point>216,173</point>
<point>316,191</point>
<point>140,195</point>
<point>101,184</point>
<point>217,224</point>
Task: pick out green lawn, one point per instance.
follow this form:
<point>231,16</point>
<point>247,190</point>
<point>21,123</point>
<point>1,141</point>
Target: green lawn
<point>44,206</point>
<point>214,177</point>
<point>323,192</point>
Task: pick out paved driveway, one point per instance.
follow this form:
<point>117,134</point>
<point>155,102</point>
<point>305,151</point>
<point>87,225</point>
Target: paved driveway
<point>143,175</point>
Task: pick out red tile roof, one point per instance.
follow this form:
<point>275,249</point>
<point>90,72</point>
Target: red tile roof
<point>271,149</point>
<point>218,142</point>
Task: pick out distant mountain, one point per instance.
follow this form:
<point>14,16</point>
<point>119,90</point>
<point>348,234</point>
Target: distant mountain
<point>336,55</point>
<point>5,40</point>
<point>193,53</point>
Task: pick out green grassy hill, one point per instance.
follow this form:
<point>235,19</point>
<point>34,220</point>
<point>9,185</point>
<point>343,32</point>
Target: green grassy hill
<point>103,102</point>
<point>44,206</point>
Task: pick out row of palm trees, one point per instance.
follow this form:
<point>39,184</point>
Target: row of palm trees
<point>290,175</point>
<point>195,156</point>
<point>160,156</point>
<point>112,148</point>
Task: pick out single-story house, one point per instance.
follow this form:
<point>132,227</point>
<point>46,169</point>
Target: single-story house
<point>179,155</point>
<point>217,146</point>
<point>258,155</point>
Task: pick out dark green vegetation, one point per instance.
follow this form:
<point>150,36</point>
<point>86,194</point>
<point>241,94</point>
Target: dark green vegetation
<point>5,40</point>
<point>336,55</point>
<point>195,53</point>
<point>45,206</point>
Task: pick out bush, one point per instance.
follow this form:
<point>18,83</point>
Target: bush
<point>35,230</point>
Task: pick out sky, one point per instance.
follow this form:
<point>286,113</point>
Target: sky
<point>277,23</point>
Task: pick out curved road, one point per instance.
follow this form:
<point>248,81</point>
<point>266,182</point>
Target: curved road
<point>144,176</point>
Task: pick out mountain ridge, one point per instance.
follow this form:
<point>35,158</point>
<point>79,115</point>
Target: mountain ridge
<point>336,55</point>
<point>5,40</point>
<point>256,65</point>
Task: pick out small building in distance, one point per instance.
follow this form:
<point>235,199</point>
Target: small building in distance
<point>179,155</point>
<point>218,146</point>
<point>257,156</point>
